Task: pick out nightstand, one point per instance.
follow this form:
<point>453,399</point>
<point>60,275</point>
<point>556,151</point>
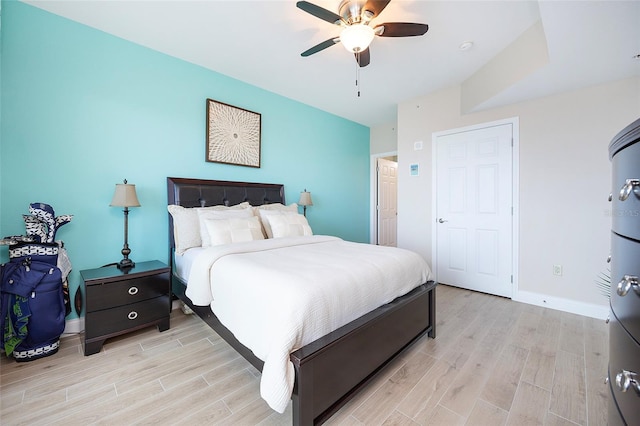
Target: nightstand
<point>120,301</point>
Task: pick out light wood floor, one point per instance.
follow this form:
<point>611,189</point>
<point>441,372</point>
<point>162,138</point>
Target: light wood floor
<point>494,362</point>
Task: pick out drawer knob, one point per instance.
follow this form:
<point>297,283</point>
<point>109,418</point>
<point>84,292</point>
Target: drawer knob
<point>627,379</point>
<point>133,290</point>
<point>627,283</point>
<point>132,315</point>
<point>610,197</point>
<point>626,189</point>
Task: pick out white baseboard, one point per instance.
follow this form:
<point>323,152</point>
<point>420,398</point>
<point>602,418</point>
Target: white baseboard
<point>73,326</point>
<point>566,305</point>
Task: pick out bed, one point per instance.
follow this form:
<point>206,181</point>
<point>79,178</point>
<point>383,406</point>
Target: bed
<point>331,368</point>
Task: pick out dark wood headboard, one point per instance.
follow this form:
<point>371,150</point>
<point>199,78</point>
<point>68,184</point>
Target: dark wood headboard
<point>188,192</point>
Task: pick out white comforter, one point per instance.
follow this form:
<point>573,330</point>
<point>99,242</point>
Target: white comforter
<point>277,295</point>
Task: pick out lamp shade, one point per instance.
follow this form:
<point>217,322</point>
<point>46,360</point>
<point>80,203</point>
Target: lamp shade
<point>356,38</point>
<point>305,199</point>
<point>125,196</point>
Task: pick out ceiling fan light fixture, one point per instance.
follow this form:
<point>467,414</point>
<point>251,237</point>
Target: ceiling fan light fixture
<point>356,38</point>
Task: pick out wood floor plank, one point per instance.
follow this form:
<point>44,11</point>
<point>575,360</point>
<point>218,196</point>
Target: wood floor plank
<point>420,402</point>
<point>553,420</point>
<point>444,417</point>
<point>99,409</point>
<point>44,415</point>
<point>141,409</point>
<point>484,413</point>
<point>177,408</point>
<point>209,414</point>
<point>504,378</point>
<point>463,393</point>
<point>524,332</point>
<point>252,414</point>
<point>529,406</point>
<point>219,355</point>
<point>398,419</point>
<point>539,369</point>
<point>385,399</point>
<point>596,362</point>
<point>568,396</point>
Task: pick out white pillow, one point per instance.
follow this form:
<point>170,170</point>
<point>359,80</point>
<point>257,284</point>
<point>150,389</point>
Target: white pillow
<point>273,209</point>
<point>289,225</point>
<point>186,227</point>
<point>233,230</point>
<point>204,215</point>
<point>293,207</point>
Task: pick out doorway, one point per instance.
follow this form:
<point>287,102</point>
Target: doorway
<point>475,230</point>
<point>385,200</point>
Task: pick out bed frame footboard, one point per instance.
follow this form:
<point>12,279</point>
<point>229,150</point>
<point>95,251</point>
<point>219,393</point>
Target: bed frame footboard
<point>332,369</point>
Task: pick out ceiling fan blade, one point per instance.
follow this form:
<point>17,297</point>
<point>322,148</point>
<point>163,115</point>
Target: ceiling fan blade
<point>320,46</point>
<point>375,6</point>
<point>363,58</point>
<point>401,29</point>
<point>319,12</point>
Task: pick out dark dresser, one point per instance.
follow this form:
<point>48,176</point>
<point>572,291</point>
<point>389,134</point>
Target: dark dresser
<point>120,301</point>
<point>624,325</point>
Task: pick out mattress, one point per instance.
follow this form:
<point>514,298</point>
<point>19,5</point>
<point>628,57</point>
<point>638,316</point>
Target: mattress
<point>183,262</point>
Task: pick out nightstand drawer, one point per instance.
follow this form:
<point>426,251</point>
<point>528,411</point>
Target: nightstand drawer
<point>127,317</point>
<point>111,294</point>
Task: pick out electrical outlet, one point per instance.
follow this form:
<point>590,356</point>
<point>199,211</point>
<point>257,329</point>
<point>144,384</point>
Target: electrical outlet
<point>557,270</point>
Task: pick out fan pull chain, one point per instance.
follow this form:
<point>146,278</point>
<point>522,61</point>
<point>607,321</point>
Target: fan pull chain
<point>358,73</point>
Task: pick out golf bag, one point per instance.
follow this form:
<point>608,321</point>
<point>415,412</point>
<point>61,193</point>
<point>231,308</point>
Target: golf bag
<point>34,303</point>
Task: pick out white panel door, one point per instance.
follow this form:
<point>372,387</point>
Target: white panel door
<point>387,202</point>
<point>474,179</point>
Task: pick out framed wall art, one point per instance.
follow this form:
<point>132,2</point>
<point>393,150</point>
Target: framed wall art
<point>233,135</point>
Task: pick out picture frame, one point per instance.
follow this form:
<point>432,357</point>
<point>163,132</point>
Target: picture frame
<point>233,135</point>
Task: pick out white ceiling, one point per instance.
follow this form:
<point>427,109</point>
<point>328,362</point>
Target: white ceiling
<point>259,42</point>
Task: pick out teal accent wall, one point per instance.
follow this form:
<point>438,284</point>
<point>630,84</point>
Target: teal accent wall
<point>81,110</point>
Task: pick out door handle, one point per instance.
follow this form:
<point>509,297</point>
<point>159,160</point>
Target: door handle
<point>441,220</point>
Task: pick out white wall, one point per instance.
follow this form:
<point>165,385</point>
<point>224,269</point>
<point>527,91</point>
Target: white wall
<point>383,139</point>
<point>565,179</point>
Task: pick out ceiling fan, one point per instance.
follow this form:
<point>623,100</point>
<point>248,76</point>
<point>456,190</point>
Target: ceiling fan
<point>354,16</point>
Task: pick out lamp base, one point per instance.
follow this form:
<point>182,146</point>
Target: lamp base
<point>126,264</point>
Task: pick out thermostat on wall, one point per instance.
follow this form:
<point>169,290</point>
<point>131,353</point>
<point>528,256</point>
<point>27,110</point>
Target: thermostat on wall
<point>415,169</point>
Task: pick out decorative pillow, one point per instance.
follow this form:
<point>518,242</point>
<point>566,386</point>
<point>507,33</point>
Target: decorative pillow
<point>204,215</point>
<point>289,225</point>
<point>186,227</point>
<point>233,230</point>
<point>273,209</point>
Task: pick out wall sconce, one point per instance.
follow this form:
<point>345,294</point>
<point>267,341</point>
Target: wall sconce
<point>125,196</point>
<point>304,201</point>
